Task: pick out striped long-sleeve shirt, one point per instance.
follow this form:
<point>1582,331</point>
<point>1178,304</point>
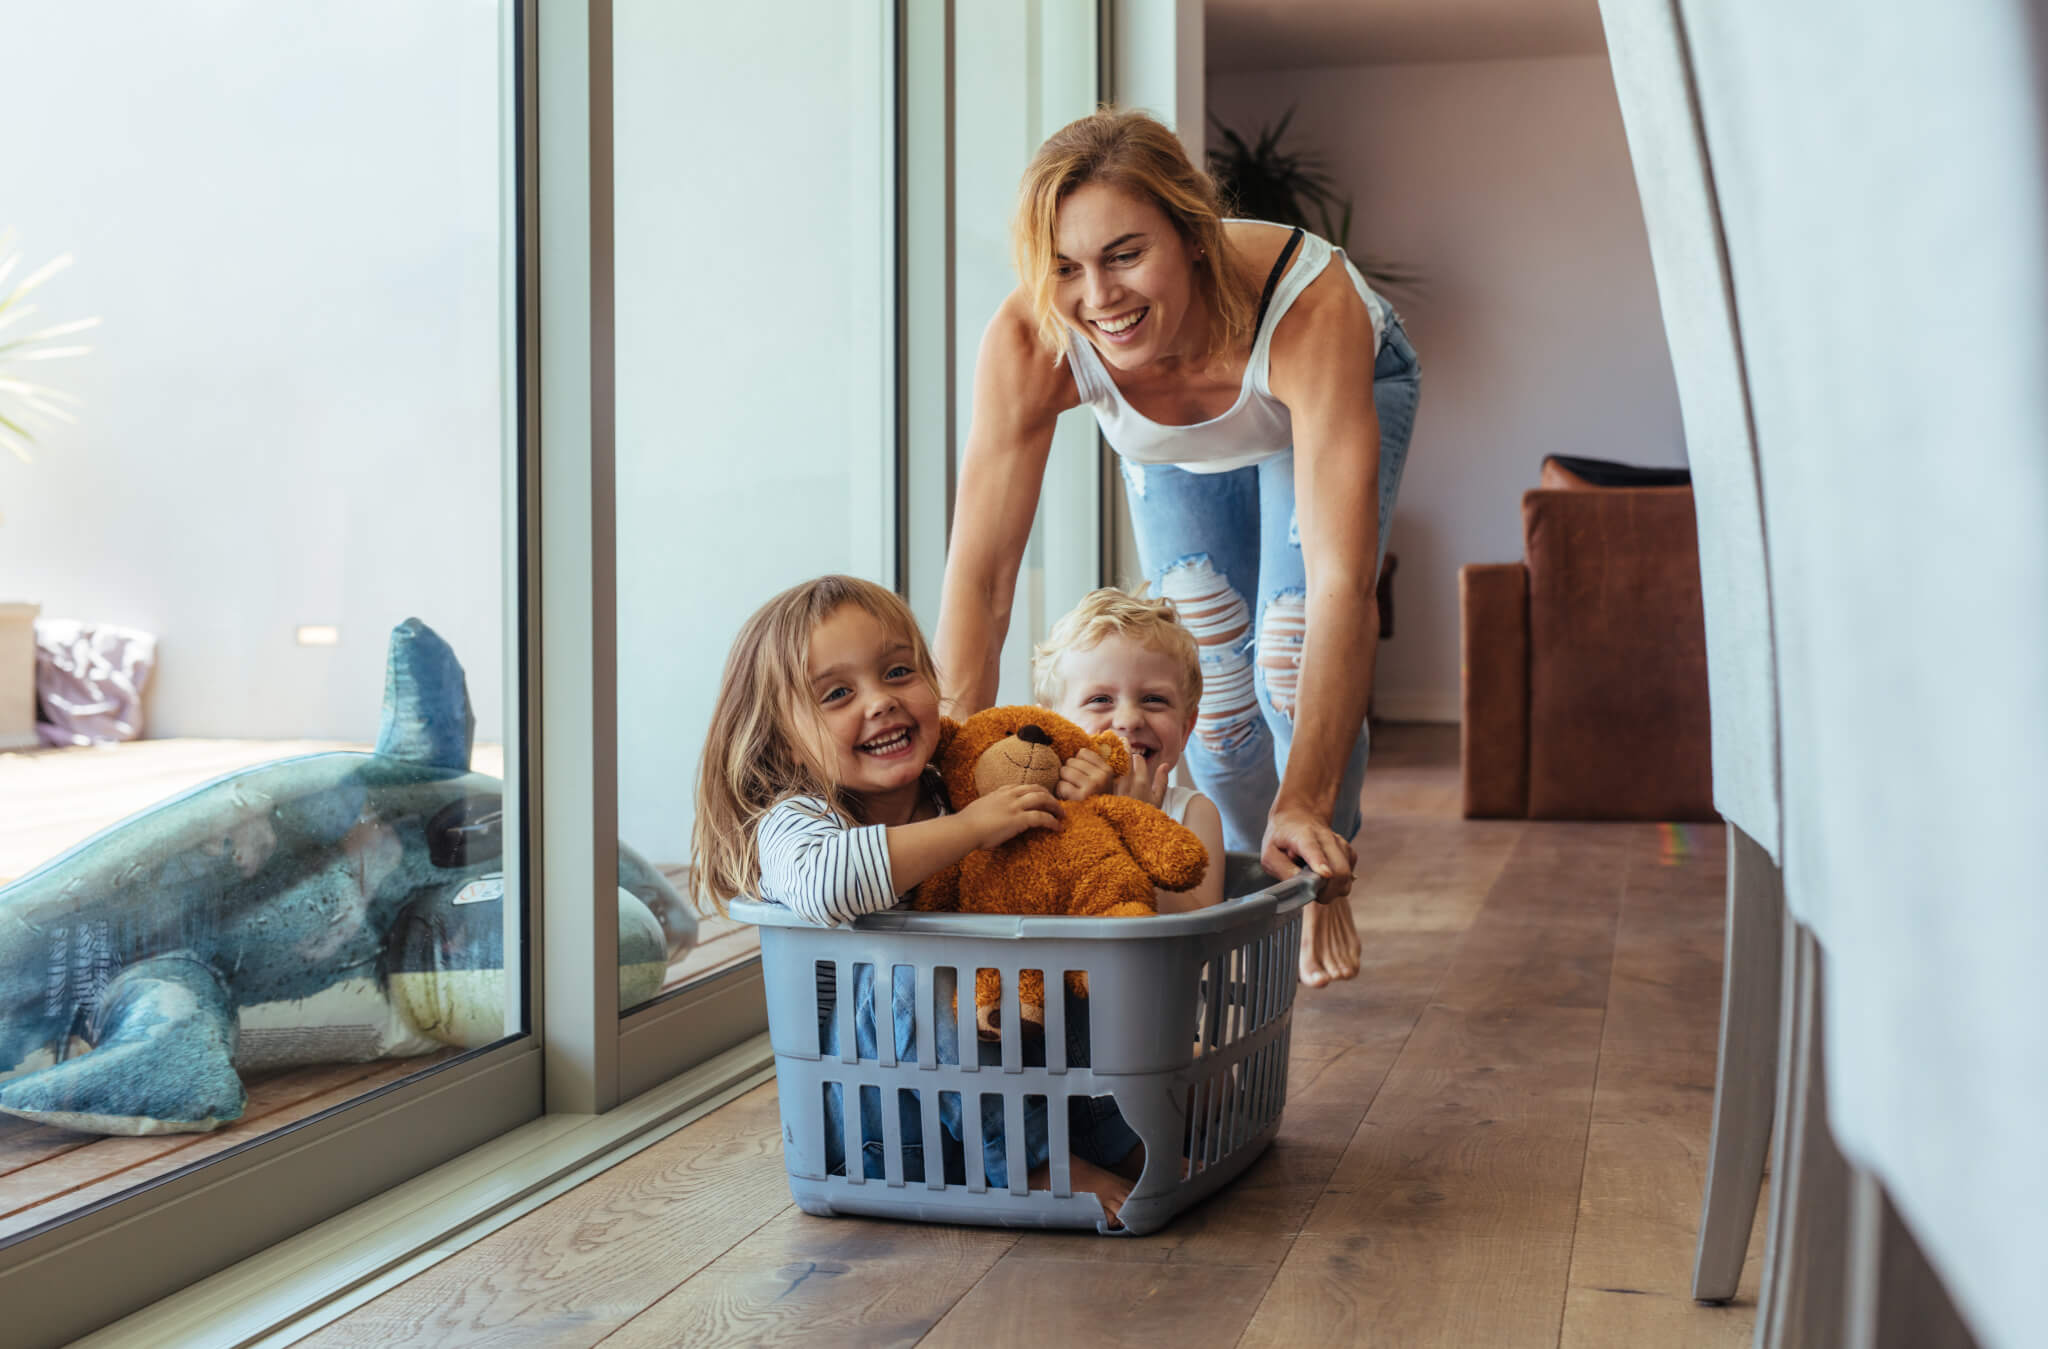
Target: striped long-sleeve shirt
<point>821,865</point>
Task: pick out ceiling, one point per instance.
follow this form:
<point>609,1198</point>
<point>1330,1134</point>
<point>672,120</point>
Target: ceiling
<point>1289,34</point>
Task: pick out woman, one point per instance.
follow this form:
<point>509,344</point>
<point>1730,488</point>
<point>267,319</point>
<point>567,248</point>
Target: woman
<point>1227,362</point>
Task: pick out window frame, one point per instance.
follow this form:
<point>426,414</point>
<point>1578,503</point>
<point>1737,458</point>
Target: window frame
<point>174,1230</point>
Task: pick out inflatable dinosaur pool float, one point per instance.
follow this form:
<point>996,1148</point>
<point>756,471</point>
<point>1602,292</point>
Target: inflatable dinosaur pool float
<point>329,908</point>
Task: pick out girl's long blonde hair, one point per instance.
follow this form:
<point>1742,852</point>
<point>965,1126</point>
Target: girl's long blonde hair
<point>1129,150</point>
<point>755,752</point>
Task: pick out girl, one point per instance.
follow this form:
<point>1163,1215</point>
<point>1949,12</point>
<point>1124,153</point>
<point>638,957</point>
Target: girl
<point>815,793</point>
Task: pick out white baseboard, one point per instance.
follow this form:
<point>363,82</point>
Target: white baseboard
<point>1415,705</point>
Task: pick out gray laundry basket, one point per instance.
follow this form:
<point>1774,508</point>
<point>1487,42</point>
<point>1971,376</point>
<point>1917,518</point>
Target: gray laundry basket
<point>1188,1014</point>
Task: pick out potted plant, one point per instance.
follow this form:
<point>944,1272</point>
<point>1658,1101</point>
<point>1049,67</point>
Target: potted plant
<point>1262,181</point>
<point>25,406</point>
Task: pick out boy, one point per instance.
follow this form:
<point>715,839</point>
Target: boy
<point>1121,662</point>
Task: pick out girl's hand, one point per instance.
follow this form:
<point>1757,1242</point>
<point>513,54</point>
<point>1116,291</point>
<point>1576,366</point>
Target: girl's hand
<point>1144,782</point>
<point>1008,811</point>
<point>1086,774</point>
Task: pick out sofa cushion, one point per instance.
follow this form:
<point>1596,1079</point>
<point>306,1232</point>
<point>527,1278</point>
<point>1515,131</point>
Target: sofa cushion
<point>1618,719</point>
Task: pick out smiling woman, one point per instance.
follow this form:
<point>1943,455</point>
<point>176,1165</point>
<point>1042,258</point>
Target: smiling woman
<point>1261,399</point>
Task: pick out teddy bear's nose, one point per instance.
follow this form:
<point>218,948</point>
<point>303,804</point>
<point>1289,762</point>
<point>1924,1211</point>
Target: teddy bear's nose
<point>1033,735</point>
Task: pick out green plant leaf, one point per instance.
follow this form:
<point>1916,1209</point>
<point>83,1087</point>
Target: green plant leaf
<point>1260,180</point>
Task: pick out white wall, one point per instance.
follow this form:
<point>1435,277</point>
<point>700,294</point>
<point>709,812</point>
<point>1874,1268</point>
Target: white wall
<point>288,218</point>
<point>1507,183</point>
<point>754,365</point>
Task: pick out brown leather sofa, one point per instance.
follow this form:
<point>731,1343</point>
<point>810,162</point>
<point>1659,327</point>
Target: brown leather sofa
<point>1584,665</point>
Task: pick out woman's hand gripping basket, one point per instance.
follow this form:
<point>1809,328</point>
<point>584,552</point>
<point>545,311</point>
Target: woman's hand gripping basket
<point>1184,1032</point>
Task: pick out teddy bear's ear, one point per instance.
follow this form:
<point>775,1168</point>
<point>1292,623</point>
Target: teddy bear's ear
<point>948,728</point>
<point>1111,747</point>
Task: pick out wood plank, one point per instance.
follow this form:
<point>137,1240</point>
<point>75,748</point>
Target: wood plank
<point>576,1269</point>
<point>108,1166</point>
<point>1031,1303</point>
<point>1449,1218</point>
<point>806,1280</point>
<point>1424,1289</point>
<point>26,1145</point>
<point>1646,1153</point>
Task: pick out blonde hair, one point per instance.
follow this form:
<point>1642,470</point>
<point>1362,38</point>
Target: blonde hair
<point>755,753</point>
<point>1129,150</point>
<point>1110,611</point>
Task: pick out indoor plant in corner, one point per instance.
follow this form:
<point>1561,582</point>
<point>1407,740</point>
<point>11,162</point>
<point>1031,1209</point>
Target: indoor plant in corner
<point>26,406</point>
<point>1262,181</point>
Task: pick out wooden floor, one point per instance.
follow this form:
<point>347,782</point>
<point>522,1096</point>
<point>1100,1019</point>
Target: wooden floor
<point>1494,1137</point>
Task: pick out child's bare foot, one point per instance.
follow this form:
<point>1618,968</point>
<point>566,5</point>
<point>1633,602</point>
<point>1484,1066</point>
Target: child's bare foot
<point>1109,1189</point>
<point>1329,943</point>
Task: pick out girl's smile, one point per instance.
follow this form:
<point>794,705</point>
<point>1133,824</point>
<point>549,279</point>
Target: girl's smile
<point>877,720</point>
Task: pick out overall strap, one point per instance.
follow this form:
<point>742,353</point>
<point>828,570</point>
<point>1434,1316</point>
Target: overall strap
<point>1273,281</point>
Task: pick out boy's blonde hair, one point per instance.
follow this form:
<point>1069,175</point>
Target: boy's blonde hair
<point>1155,623</point>
<point>756,752</point>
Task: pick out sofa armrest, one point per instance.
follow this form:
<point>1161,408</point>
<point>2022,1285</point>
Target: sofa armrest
<point>1493,609</point>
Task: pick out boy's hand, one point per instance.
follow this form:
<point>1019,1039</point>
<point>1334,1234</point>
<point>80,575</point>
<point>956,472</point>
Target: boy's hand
<point>1144,782</point>
<point>1086,774</point>
<point>1008,811</point>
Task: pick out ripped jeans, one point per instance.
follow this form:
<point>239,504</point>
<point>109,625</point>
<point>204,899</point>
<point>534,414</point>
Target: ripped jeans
<point>1209,540</point>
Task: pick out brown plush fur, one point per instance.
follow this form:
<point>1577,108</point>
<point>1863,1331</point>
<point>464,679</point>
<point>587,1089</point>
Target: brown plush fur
<point>1104,860</point>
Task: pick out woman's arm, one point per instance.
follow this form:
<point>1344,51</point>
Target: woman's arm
<point>1322,363</point>
<point>1018,395</point>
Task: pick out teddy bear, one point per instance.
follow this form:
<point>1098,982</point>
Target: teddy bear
<point>1104,860</point>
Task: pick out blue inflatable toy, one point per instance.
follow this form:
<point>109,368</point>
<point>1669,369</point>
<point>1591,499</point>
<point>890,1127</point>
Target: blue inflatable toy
<point>329,908</point>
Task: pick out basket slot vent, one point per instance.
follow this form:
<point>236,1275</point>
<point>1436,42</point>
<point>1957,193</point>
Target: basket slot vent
<point>1031,1034</point>
<point>825,983</point>
<point>1262,1004</point>
<point>1053,1051</point>
<point>833,1098</point>
<point>1212,1007</point>
<point>1012,1027</point>
<point>882,1018</point>
<point>934,1139</point>
<point>944,991</point>
<point>871,1136</point>
<point>892,1135</point>
<point>843,1007</point>
<point>1212,1122</point>
<point>856,1172</point>
<point>1059,1169</point>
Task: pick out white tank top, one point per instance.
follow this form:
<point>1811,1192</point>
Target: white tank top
<point>1258,426</point>
<point>1175,802</point>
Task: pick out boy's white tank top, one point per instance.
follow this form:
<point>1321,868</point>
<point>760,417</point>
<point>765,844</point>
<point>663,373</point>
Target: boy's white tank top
<point>1257,427</point>
<point>1175,802</point>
